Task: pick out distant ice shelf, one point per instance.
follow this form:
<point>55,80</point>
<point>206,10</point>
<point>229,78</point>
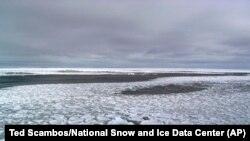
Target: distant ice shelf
<point>96,71</point>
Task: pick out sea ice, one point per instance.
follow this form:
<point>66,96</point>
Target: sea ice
<point>225,101</point>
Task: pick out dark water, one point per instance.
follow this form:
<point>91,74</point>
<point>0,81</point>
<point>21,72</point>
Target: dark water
<point>10,81</point>
<point>167,89</point>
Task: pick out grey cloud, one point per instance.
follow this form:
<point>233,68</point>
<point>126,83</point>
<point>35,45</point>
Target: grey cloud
<point>125,33</point>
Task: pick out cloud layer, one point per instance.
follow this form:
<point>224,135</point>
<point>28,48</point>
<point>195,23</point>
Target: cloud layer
<point>125,33</point>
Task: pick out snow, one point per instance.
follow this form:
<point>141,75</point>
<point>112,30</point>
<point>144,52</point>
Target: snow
<point>226,101</point>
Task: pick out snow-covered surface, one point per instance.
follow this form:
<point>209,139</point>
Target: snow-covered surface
<point>226,101</point>
<point>86,71</point>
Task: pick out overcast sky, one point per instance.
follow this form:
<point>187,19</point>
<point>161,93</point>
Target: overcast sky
<point>125,33</point>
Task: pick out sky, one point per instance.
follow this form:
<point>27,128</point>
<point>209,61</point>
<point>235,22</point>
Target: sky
<point>125,33</point>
